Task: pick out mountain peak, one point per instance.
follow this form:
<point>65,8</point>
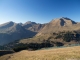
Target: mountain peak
<point>59,24</point>
<point>7,24</point>
<point>63,21</point>
<point>29,22</point>
<point>65,18</point>
<point>10,22</point>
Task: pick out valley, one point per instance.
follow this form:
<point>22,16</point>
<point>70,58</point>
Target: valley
<point>39,29</point>
<point>33,39</point>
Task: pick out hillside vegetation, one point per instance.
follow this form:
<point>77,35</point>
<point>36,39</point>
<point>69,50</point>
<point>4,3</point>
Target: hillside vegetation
<point>69,37</point>
<point>69,53</point>
<point>58,32</point>
<point>52,40</point>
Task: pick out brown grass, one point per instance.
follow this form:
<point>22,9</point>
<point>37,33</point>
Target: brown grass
<point>68,53</point>
<point>5,57</point>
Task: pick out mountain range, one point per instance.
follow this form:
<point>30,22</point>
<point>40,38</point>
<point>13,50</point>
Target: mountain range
<point>63,31</point>
<point>11,31</point>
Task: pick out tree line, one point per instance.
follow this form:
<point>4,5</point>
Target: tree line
<point>35,46</point>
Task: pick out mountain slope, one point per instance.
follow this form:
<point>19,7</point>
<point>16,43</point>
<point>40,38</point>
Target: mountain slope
<point>32,26</point>
<point>60,24</point>
<point>61,30</point>
<point>68,53</point>
<point>11,31</point>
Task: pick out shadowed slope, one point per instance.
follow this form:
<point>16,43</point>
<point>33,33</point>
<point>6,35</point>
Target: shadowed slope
<point>11,31</point>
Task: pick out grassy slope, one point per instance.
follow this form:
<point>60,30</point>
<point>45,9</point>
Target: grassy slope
<point>5,57</point>
<point>69,53</point>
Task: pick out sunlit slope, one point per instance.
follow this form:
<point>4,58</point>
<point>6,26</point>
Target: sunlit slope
<point>58,25</point>
<point>56,31</point>
<point>68,53</point>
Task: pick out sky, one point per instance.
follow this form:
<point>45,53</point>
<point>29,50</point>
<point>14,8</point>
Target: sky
<point>40,11</point>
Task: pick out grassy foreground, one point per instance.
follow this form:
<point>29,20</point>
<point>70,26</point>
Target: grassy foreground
<point>68,53</point>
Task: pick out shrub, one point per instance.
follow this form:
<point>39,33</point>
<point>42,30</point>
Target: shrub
<point>58,36</point>
<point>59,44</point>
<point>67,37</point>
<point>20,47</point>
<point>31,46</point>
